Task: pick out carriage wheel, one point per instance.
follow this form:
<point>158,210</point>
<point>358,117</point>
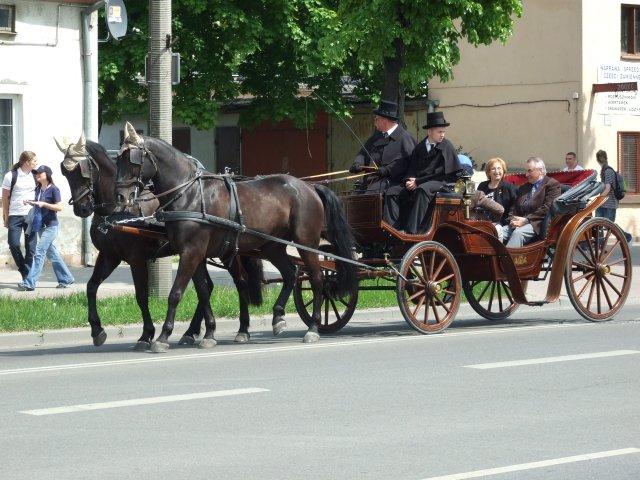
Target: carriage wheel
<point>598,270</point>
<point>430,296</point>
<point>491,299</point>
<point>336,311</point>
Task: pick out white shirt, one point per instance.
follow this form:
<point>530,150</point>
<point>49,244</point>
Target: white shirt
<point>24,189</point>
<point>578,167</point>
<point>391,130</point>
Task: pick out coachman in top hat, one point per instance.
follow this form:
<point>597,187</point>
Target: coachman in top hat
<point>433,163</point>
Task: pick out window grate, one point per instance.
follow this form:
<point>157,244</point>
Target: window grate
<point>628,164</point>
<point>7,19</point>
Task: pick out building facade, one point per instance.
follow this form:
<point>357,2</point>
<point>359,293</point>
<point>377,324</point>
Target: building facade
<point>535,95</point>
<point>41,94</point>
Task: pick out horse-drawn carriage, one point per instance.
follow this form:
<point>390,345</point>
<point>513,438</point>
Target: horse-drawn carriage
<point>209,215</point>
<point>457,256</point>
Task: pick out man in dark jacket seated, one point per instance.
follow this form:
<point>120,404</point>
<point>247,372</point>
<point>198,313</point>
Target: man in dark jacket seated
<point>533,201</point>
<point>388,149</point>
<point>433,163</point>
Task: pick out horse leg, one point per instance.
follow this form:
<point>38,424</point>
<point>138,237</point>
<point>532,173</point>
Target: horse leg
<point>189,337</point>
<point>277,255</point>
<point>204,294</point>
<point>235,270</point>
<point>189,261</point>
<point>104,266</point>
<point>315,278</point>
<point>140,275</point>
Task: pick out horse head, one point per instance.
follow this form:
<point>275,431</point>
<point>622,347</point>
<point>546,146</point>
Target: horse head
<point>144,159</point>
<point>89,171</point>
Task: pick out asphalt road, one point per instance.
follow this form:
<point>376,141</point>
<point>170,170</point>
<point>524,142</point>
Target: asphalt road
<point>376,401</point>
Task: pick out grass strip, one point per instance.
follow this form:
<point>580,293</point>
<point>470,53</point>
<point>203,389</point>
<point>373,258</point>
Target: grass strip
<point>69,311</point>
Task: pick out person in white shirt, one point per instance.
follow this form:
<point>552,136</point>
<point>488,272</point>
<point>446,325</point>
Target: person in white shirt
<point>572,163</point>
<point>17,185</point>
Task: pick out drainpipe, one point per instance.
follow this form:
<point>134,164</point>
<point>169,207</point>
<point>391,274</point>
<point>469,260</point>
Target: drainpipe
<point>160,114</point>
<point>90,103</point>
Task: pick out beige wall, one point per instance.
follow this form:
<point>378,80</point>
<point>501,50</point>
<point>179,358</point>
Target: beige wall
<point>516,100</point>
<point>600,131</point>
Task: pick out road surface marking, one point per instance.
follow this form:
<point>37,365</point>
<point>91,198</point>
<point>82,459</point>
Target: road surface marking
<point>142,401</point>
<point>256,349</point>
<point>532,465</point>
<point>564,358</point>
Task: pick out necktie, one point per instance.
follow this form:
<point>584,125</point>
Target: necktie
<point>432,146</point>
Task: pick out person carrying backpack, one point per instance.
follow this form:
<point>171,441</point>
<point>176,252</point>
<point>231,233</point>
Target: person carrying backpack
<point>17,185</point>
<point>613,190</point>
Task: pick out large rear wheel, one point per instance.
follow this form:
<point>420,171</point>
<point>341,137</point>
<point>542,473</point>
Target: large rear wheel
<point>598,269</point>
<point>428,287</point>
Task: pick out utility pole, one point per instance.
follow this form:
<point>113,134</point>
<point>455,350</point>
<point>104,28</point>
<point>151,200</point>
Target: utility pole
<point>160,113</point>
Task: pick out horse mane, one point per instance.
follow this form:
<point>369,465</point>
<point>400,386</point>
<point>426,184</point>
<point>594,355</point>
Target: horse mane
<point>100,155</point>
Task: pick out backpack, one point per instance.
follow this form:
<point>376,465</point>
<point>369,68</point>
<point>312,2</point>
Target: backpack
<point>14,179</point>
<point>619,188</point>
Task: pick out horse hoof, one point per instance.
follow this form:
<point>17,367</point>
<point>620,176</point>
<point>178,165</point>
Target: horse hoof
<point>279,327</point>
<point>100,338</point>
<point>207,343</point>
<point>142,346</point>
<point>159,347</point>
<point>311,337</point>
<point>187,340</point>
<point>242,338</point>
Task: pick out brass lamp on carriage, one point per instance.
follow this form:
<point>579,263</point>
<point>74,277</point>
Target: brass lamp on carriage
<point>467,188</point>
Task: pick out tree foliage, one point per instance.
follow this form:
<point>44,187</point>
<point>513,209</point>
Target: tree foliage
<point>268,49</point>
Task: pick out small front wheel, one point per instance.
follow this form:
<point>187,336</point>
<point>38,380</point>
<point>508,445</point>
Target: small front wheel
<point>429,287</point>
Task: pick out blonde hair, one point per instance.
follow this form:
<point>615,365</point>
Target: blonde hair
<point>490,164</point>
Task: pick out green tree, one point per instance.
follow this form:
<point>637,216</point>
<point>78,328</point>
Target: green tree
<point>230,50</point>
<point>394,47</point>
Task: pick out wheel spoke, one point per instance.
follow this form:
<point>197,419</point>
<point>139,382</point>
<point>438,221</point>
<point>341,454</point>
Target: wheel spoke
<point>326,311</point>
<point>507,291</point>
<point>606,295</point>
<point>593,255</point>
<point>445,278</point>
<point>598,293</point>
<point>420,303</point>
<point>623,259</point>
<point>613,274</point>
<point>583,266</point>
<point>613,286</point>
<point>416,295</point>
<point>443,305</point>
<point>435,274</point>
<point>588,274</point>
<point>593,284</point>
<point>486,287</point>
<point>433,259</point>
<point>306,305</point>
<point>426,312</point>
<point>499,297</point>
<point>335,310</point>
<point>435,310</point>
<point>610,251</point>
<point>493,288</point>
<point>584,287</point>
<point>418,274</point>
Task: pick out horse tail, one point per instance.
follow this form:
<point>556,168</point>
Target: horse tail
<point>255,275</point>
<point>338,233</point>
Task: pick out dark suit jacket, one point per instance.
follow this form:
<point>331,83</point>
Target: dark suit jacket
<point>391,155</point>
<point>539,205</point>
<point>440,164</point>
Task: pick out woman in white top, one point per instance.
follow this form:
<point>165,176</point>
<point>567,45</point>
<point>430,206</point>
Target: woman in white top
<point>19,185</point>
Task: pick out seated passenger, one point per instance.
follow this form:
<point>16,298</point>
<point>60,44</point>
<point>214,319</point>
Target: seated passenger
<point>533,201</point>
<point>433,162</point>
<point>498,189</point>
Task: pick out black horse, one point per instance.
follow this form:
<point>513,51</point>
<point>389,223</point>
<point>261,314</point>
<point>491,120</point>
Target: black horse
<point>278,205</point>
<point>91,176</point>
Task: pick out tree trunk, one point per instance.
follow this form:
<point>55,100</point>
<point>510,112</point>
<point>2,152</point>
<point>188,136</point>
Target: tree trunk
<point>392,88</point>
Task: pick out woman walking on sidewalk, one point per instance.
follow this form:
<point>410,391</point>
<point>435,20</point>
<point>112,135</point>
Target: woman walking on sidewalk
<point>47,203</point>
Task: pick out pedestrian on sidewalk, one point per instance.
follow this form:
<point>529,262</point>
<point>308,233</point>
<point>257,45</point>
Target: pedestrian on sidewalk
<point>608,176</point>
<point>18,185</point>
<point>48,203</point>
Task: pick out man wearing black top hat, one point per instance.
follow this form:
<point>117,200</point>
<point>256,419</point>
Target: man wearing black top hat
<point>388,149</point>
<point>433,162</point>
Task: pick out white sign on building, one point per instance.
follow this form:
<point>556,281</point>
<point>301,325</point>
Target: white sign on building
<point>618,103</point>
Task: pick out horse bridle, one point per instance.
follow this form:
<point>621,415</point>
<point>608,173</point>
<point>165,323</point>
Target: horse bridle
<point>137,156</point>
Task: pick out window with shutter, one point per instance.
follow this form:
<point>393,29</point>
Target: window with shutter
<point>628,161</point>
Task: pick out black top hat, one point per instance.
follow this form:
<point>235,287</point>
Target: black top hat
<point>436,119</point>
<point>387,109</point>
